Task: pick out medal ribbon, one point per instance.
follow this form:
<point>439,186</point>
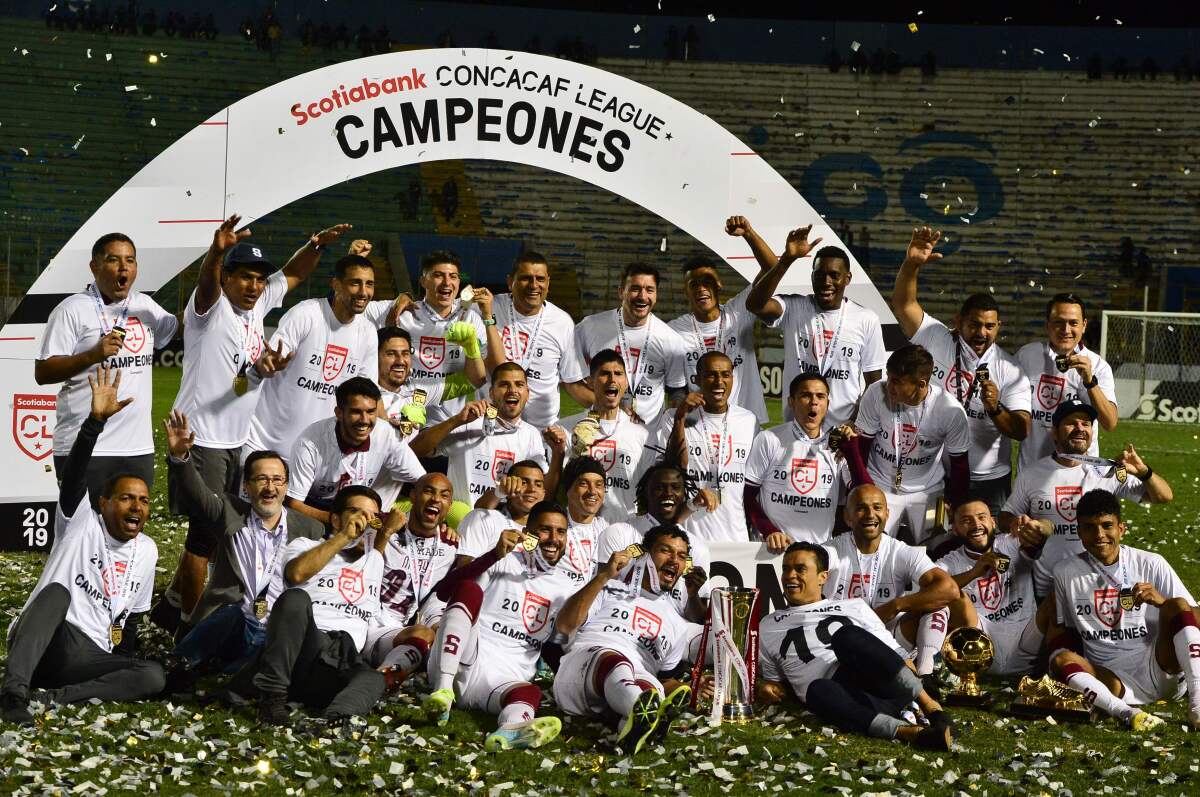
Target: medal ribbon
<point>642,566</point>
<point>871,582</point>
<point>1100,571</point>
<point>514,338</point>
<point>714,458</point>
<point>102,314</point>
<point>826,357</point>
<point>720,341</point>
<point>635,374</point>
<point>898,420</point>
<point>958,361</point>
<point>256,527</point>
<point>111,566</point>
<point>1107,467</point>
<point>418,575</point>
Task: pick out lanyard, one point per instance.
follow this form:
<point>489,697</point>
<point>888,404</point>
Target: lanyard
<point>417,572</point>
<point>720,340</point>
<point>633,573</point>
<point>1105,467</point>
<point>111,567</point>
<point>392,402</point>
<point>254,526</point>
<point>635,374</point>
<point>896,426</point>
<point>356,470</point>
<point>102,314</point>
<point>715,456</point>
<point>433,315</point>
<point>1100,571</point>
<point>249,334</point>
<point>826,357</point>
<point>871,582</point>
<point>514,338</point>
<point>958,358</point>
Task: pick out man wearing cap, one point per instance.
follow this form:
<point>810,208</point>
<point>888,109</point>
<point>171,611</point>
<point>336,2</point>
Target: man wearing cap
<point>1042,504</point>
<point>223,338</point>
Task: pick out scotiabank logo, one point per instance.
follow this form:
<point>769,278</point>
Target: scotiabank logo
<point>33,424</point>
<point>341,97</point>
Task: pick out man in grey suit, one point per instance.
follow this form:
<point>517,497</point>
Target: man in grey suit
<point>231,615</point>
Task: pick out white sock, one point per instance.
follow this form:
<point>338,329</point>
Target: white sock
<point>1099,695</point>
<point>404,656</point>
<point>452,637</point>
<point>515,713</point>
<point>620,689</point>
<point>931,633</point>
<point>1187,652</point>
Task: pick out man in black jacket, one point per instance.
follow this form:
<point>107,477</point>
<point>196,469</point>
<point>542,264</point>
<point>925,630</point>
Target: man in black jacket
<point>231,615</point>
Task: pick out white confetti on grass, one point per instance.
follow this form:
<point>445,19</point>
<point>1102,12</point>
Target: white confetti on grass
<point>131,87</point>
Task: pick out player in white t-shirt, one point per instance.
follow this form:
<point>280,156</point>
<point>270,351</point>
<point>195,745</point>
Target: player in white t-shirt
<point>500,614</point>
<point>523,327</point>
<point>996,573</point>
<point>825,332</point>
<point>223,337</point>
<point>971,367</point>
<point>482,450</point>
<point>1134,623</point>
<point>914,438</point>
<point>417,557</point>
<point>627,645</point>
<point>113,324</point>
<point>913,597</point>
<point>583,486</point>
<point>1042,506</point>
<point>355,446</point>
<point>440,318</point>
<point>837,658</point>
<point>405,402</point>
<point>77,633</point>
<point>727,328</point>
<point>795,475</point>
<point>711,438</point>
<point>609,436</point>
<point>327,341</point>
<point>505,506</point>
<point>654,355</point>
<point>1060,369</point>
<point>329,599</point>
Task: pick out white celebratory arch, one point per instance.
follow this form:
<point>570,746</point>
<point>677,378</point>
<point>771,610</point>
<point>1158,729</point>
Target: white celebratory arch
<point>334,124</point>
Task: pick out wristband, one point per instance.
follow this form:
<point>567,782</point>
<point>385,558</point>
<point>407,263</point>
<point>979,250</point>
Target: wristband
<point>499,491</point>
<point>489,322</point>
<point>1093,382</point>
<point>999,409</point>
<point>1148,474</point>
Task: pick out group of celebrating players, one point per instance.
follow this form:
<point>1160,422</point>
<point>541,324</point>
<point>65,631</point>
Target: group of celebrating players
<point>375,491</point>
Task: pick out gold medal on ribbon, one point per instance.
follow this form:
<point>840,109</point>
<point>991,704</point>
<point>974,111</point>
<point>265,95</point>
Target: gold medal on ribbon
<point>687,566</point>
<point>1127,599</point>
<point>240,385</point>
<point>120,332</point>
<point>1121,473</point>
<point>530,542</point>
<point>584,434</point>
<point>899,478</point>
<point>406,428</point>
<point>835,438</point>
<point>260,609</point>
<point>1002,563</point>
<point>115,634</point>
<point>634,551</point>
<point>491,412</point>
<point>419,397</point>
<point>1063,363</point>
<point>982,374</point>
<point>467,294</point>
<point>376,523</point>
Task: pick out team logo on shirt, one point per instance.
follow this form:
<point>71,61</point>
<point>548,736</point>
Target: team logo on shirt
<point>135,334</point>
<point>350,584</point>
<point>958,381</point>
<point>1065,498</point>
<point>579,554</point>
<point>334,362</point>
<point>1050,390</point>
<point>859,586</point>
<point>804,474</point>
<point>515,349</point>
<point>714,440</point>
<point>109,578</point>
<point>635,354</point>
<point>821,343</point>
<point>535,611</point>
<point>991,591</point>
<point>1107,601</point>
<point>33,424</point>
<point>646,623</point>
<point>431,351</point>
<point>908,439</point>
<point>501,462</point>
<point>604,452</point>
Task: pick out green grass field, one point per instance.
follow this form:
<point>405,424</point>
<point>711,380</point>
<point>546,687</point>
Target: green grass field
<point>205,749</point>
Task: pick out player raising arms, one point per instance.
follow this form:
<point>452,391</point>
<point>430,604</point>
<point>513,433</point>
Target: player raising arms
<point>627,644</point>
<point>838,658</point>
<point>501,611</point>
<point>1135,618</point>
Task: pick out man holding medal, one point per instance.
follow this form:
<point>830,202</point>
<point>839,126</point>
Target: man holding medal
<point>727,328</point>
<point>971,367</point>
<point>1061,369</point>
<point>355,446</point>
<point>525,328</point>
<point>109,323</point>
<point>77,633</point>
<point>500,612</point>
<point>1126,631</point>
<point>607,434</point>
<point>712,438</point>
<point>229,621</point>
<point>826,332</point>
<point>654,356</point>
<point>627,646</point>
<point>405,402</point>
<point>1041,508</point>
<point>223,336</point>
<point>505,506</point>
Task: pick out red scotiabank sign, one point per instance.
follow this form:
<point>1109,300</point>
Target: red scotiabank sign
<point>33,424</point>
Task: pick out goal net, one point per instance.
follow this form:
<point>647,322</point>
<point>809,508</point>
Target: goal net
<point>1155,359</point>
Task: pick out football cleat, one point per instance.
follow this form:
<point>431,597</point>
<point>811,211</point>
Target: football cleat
<point>670,709</point>
<point>527,735</point>
<point>437,705</point>
<point>638,726</point>
<point>1145,722</point>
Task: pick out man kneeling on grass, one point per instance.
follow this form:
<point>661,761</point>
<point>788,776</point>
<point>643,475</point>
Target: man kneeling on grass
<point>839,659</point>
<point>318,625</point>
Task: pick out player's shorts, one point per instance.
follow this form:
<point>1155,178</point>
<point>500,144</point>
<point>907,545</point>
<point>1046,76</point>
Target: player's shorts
<point>1006,642</point>
<point>1147,682</point>
<point>912,509</point>
<point>483,677</point>
<point>574,683</point>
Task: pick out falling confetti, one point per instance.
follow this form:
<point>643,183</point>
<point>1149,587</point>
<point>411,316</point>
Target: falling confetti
<point>108,56</point>
<point>637,28</point>
<point>855,45</point>
<point>712,18</point>
<point>663,246</point>
<point>1039,51</point>
<point>80,141</point>
<point>153,122</point>
<point>912,27</point>
<point>131,88</point>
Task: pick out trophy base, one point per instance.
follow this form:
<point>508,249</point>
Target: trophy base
<point>965,700</point>
<point>737,712</point>
<point>1021,707</point>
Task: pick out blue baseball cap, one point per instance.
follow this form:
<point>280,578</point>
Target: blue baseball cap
<point>248,255</point>
<point>1070,408</point>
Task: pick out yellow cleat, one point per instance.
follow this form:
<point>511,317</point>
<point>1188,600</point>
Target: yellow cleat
<point>437,705</point>
<point>1145,722</point>
<point>534,733</point>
